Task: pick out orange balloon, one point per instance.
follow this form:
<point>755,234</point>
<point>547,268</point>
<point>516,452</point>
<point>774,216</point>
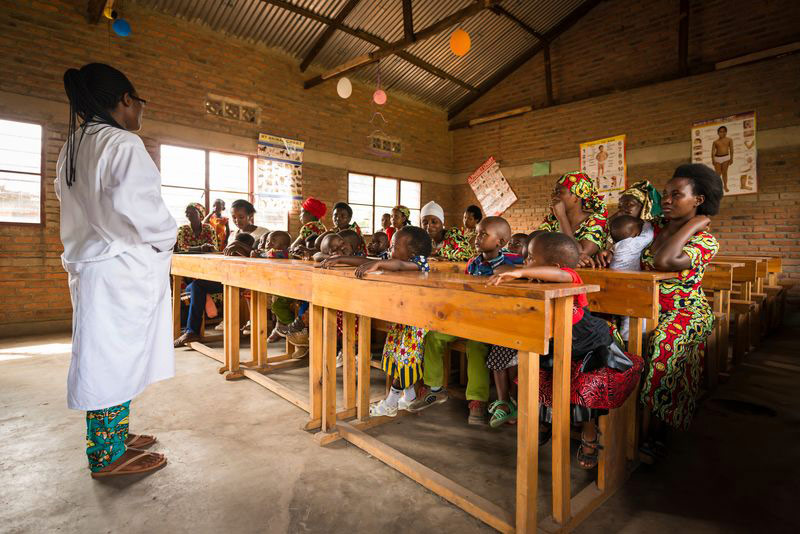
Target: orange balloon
<point>459,42</point>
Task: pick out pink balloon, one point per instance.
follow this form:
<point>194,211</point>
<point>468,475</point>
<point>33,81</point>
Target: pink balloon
<point>379,97</point>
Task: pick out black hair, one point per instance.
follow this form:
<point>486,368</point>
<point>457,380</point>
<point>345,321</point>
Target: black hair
<point>352,237</point>
<point>93,91</point>
<point>243,204</point>
<point>620,226</point>
<point>558,249</point>
<point>420,243</point>
<point>343,206</point>
<point>475,211</point>
<point>245,238</point>
<point>721,127</point>
<point>380,233</point>
<point>535,233</point>
<point>704,182</point>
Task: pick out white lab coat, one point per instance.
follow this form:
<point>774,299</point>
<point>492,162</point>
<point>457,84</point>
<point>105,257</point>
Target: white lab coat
<point>118,237</point>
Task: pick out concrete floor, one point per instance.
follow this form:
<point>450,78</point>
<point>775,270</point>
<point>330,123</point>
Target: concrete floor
<point>239,462</point>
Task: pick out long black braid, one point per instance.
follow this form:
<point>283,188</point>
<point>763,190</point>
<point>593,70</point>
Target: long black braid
<point>93,91</point>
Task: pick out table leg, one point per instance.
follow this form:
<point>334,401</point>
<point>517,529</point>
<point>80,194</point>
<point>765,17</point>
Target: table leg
<point>176,306</point>
<point>329,371</point>
<point>349,359</point>
<point>527,442</point>
<point>364,360</point>
<point>315,362</point>
<point>562,360</point>
<point>258,327</point>
<point>231,305</point>
<point>635,346</point>
<point>725,295</point>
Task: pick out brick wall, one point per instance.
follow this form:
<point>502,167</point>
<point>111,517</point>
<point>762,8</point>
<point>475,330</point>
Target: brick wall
<point>624,43</point>
<point>174,64</point>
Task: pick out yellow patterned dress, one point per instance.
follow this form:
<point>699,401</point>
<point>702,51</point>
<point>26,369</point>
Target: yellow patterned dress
<point>595,228</point>
<point>674,354</point>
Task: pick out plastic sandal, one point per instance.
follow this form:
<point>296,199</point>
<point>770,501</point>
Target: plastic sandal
<point>589,461</point>
<point>501,416</point>
<point>118,470</point>
<point>139,441</point>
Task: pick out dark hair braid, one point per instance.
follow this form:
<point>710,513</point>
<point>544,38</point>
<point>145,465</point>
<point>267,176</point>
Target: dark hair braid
<point>93,91</point>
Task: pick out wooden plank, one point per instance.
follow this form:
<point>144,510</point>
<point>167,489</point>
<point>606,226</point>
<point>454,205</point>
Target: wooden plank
<point>548,77</point>
<point>635,346</point>
<point>465,499</point>
<point>277,388</point>
<point>683,38</point>
<point>329,370</point>
<point>176,306</point>
<point>349,359</point>
<point>408,21</point>
<point>205,350</point>
<point>623,293</point>
<point>325,36</point>
<point>364,361</point>
<point>231,321</point>
<point>562,360</point>
<point>315,361</point>
<point>527,442</point>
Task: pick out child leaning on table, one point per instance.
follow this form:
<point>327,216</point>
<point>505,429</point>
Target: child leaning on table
<point>273,245</point>
<point>631,235</point>
<point>552,257</point>
<point>402,352</point>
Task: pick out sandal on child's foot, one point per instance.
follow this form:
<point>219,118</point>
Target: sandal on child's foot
<point>588,460</point>
<point>382,409</point>
<point>502,412</point>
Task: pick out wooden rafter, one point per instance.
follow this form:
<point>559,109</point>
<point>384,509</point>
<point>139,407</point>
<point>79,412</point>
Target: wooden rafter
<point>408,20</point>
<point>500,10</point>
<point>405,42</point>
<point>683,38</point>
<point>94,10</point>
<point>373,39</point>
<point>327,34</point>
<point>526,56</point>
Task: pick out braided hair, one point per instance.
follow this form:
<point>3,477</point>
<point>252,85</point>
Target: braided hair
<point>93,91</point>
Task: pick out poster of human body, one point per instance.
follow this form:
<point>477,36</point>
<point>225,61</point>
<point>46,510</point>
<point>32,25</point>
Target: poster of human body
<point>278,180</point>
<point>728,145</point>
<point>491,188</point>
<point>604,162</point>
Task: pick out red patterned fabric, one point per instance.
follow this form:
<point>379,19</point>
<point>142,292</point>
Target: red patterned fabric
<point>602,388</point>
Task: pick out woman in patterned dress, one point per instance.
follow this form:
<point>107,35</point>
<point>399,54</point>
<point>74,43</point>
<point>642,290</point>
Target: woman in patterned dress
<point>196,236</point>
<point>578,210</point>
<point>449,244</point>
<point>674,355</point>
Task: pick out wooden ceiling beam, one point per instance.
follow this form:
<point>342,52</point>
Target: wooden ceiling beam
<point>548,37</point>
<point>405,42</point>
<point>408,20</point>
<point>500,10</point>
<point>323,39</point>
<point>370,38</point>
<point>94,10</point>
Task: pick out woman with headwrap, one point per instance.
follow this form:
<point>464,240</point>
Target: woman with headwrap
<point>313,210</point>
<point>196,236</point>
<point>401,216</point>
<point>449,244</point>
<point>578,210</point>
<point>118,237</point>
<point>640,200</point>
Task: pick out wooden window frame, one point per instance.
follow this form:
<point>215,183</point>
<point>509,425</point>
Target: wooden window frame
<point>42,173</point>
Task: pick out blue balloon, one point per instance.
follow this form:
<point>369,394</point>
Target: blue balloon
<point>121,27</point>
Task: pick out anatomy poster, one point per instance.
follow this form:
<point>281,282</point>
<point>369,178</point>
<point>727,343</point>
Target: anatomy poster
<point>278,180</point>
<point>604,162</point>
<point>728,145</point>
<point>491,187</point>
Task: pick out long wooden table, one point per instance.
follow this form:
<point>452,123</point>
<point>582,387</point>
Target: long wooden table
<point>521,315</point>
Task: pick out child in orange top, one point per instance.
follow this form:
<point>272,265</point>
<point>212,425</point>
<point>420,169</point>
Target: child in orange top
<point>552,258</point>
<point>219,223</point>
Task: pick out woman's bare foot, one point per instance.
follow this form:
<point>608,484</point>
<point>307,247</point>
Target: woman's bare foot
<point>132,462</point>
<point>185,339</point>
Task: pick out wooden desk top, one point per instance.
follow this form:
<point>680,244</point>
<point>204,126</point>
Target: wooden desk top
<point>748,272</point>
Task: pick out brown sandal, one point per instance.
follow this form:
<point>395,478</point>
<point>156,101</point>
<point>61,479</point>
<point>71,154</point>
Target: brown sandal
<point>589,461</point>
<point>139,441</point>
<point>120,470</point>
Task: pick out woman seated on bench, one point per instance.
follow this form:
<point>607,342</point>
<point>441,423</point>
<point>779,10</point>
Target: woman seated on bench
<point>675,348</point>
<point>449,244</point>
<point>196,236</point>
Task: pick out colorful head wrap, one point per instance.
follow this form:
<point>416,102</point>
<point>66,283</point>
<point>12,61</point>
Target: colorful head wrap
<point>200,209</point>
<point>583,187</point>
<point>315,207</point>
<point>644,192</point>
<point>405,211</point>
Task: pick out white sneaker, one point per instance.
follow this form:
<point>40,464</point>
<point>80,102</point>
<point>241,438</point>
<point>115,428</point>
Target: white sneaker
<point>403,404</point>
<point>339,360</point>
<point>381,409</point>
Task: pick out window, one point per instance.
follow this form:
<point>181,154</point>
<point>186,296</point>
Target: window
<point>372,196</point>
<point>20,172</point>
<point>193,175</point>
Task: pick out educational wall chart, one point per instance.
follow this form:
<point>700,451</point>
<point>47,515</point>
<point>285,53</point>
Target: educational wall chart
<point>604,162</point>
<point>728,145</point>
<point>278,180</point>
<point>491,187</point>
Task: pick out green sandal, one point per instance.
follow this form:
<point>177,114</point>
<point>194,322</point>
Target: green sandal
<point>500,416</point>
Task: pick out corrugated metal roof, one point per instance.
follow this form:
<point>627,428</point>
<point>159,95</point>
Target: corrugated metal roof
<point>496,40</point>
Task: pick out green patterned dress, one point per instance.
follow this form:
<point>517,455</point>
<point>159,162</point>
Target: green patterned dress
<point>455,246</point>
<point>674,354</point>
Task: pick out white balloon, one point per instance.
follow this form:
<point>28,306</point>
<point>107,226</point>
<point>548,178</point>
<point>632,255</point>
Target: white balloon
<point>344,88</point>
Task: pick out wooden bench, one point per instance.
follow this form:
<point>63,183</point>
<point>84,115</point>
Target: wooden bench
<point>742,306</point>
<point>718,282</point>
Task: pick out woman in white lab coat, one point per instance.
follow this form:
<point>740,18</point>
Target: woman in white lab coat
<point>118,238</point>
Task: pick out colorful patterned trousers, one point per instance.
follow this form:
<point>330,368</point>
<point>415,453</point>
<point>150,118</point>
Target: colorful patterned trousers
<point>106,432</point>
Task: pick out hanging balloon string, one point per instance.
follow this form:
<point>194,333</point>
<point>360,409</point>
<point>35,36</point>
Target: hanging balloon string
<point>379,114</point>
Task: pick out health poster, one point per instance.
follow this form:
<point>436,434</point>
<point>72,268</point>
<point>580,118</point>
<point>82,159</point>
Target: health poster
<point>278,180</point>
<point>604,162</point>
<point>491,187</point>
<point>728,145</point>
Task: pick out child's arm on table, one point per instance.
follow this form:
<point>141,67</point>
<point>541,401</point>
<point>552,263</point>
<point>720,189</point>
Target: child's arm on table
<point>545,274</point>
<point>352,261</point>
<point>385,265</point>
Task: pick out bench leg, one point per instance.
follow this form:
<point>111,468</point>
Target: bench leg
<point>232,332</point>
